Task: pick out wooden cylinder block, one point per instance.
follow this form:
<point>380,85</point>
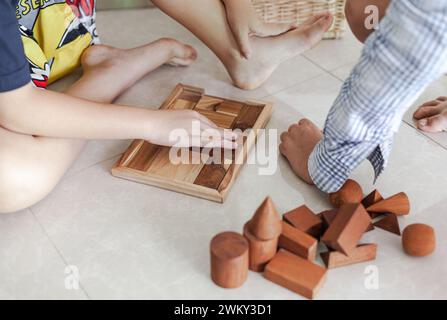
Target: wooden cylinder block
<point>229,259</point>
<point>419,240</point>
<point>261,251</point>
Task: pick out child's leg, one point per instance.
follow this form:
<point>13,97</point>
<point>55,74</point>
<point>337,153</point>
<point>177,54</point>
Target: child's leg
<point>356,16</point>
<point>207,20</point>
<point>432,115</point>
<point>30,167</point>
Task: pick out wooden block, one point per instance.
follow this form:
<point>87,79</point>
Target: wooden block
<point>247,117</point>
<point>266,223</point>
<point>145,156</point>
<point>298,242</point>
<point>363,253</point>
<point>220,119</point>
<point>260,251</point>
<point>304,219</point>
<point>191,94</point>
<point>419,240</point>
<point>351,192</point>
<point>229,259</point>
<point>296,274</point>
<point>208,103</point>
<point>229,107</point>
<point>349,225</point>
<point>398,204</point>
<point>389,223</point>
<point>211,176</point>
<point>371,199</point>
<point>327,217</point>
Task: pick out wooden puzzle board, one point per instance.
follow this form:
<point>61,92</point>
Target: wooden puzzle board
<point>149,164</point>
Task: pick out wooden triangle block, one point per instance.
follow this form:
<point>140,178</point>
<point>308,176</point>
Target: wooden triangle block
<point>389,223</point>
<point>371,199</point>
<point>266,222</point>
<point>398,204</point>
<point>298,242</point>
<point>363,253</point>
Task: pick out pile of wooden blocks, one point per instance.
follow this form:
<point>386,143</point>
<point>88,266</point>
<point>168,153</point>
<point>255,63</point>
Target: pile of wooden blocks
<point>286,250</point>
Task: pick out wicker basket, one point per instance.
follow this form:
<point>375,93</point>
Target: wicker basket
<point>299,10</point>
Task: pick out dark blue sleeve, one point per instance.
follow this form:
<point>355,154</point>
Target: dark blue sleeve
<point>14,69</point>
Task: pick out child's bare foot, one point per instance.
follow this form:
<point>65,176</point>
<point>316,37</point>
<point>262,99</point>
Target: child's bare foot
<point>297,144</point>
<point>432,115</point>
<point>268,53</point>
<point>169,51</point>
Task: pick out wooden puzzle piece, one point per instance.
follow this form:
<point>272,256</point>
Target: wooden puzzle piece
<point>350,192</point>
<point>362,253</point>
<point>229,107</point>
<point>209,103</point>
<point>399,204</point>
<point>247,117</point>
<point>389,223</point>
<point>266,222</point>
<point>419,240</point>
<point>347,228</point>
<point>298,242</point>
<point>189,93</point>
<point>295,273</point>
<point>220,119</point>
<point>161,165</point>
<point>143,159</point>
<point>229,259</point>
<point>304,219</point>
<point>260,251</point>
<point>211,176</point>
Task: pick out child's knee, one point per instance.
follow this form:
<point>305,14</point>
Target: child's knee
<point>20,186</point>
<point>355,18</point>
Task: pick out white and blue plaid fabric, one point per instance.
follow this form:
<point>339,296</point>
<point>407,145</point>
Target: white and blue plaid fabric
<point>399,60</point>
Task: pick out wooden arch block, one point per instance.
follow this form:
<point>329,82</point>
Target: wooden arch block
<point>296,274</point>
<point>363,253</point>
<point>229,259</point>
<point>266,222</point>
<point>398,204</point>
<point>304,219</point>
<point>298,242</point>
<point>389,223</point>
<point>346,230</point>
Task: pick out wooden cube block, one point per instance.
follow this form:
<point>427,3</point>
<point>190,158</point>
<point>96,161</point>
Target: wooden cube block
<point>229,259</point>
<point>260,251</point>
<point>304,219</point>
<point>298,242</point>
<point>349,225</point>
<point>363,253</point>
<point>295,273</point>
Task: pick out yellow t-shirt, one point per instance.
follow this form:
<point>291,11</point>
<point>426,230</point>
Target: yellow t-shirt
<point>55,33</point>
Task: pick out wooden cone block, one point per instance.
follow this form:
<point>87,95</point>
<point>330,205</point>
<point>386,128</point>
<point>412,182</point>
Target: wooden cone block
<point>349,225</point>
<point>295,273</point>
<point>260,251</point>
<point>304,219</point>
<point>390,223</point>
<point>363,253</point>
<point>229,259</point>
<point>266,222</point>
<point>298,242</point>
<point>351,192</point>
<point>398,204</point>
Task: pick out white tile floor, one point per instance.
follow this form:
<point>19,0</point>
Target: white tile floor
<point>133,241</point>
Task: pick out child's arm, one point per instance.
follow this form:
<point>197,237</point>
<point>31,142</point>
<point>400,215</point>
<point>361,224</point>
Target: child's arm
<point>32,111</point>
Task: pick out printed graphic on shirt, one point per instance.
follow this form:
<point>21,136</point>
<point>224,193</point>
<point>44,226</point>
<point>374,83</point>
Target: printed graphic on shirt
<point>55,33</point>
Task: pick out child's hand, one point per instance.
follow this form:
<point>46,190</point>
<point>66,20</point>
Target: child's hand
<point>244,22</point>
<point>187,128</point>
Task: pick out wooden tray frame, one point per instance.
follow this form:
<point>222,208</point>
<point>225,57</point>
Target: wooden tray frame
<point>122,170</point>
